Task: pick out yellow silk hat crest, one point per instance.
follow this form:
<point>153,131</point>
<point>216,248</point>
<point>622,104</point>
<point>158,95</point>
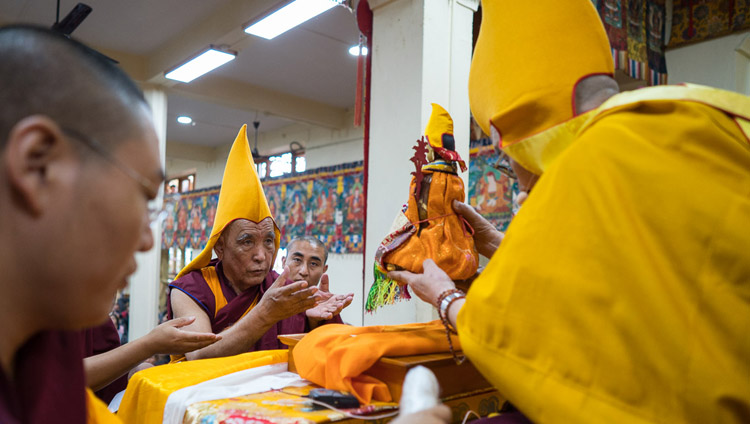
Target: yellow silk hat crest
<point>440,123</point>
<point>439,133</point>
<point>527,61</point>
<point>241,197</point>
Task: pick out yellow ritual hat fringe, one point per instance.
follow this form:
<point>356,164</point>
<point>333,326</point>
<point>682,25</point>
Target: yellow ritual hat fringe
<point>241,197</point>
<point>528,59</point>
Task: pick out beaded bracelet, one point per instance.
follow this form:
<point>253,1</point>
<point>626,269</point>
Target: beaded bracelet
<point>444,302</point>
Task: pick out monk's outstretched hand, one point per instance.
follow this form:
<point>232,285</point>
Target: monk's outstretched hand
<point>428,285</point>
<point>283,300</point>
<point>486,237</point>
<point>331,305</point>
<point>169,338</point>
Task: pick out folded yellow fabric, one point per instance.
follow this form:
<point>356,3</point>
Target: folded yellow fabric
<point>149,389</point>
<point>338,356</point>
<point>97,411</point>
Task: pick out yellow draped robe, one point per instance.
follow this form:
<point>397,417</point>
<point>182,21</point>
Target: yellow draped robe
<point>621,292</point>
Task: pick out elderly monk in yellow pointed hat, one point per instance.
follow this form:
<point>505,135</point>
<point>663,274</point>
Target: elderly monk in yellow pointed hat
<point>621,291</point>
<point>237,294</point>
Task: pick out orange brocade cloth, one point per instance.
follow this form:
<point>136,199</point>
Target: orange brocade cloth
<point>338,356</point>
<point>446,239</point>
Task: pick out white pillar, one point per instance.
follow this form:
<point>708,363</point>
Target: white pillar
<point>742,67</point>
<point>144,284</point>
<point>421,55</point>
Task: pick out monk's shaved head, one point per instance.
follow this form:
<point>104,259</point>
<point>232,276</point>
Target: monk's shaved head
<point>42,73</point>
<point>592,91</point>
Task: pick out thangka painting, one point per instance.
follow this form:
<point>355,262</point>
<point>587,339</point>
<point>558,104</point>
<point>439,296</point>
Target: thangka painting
<point>295,209</point>
<point>327,203</point>
<point>637,32</point>
<point>352,213</point>
<point>491,191</point>
<point>324,202</point>
<point>698,20</point>
<point>190,218</point>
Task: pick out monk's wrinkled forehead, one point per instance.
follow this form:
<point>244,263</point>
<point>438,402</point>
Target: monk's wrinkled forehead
<point>246,226</point>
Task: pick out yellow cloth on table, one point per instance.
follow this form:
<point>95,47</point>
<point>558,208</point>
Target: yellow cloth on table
<point>241,196</point>
<point>338,356</point>
<point>97,411</point>
<point>621,292</point>
<point>149,389</point>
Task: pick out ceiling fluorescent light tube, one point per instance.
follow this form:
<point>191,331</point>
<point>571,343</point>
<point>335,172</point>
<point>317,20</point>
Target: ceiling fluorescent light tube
<point>201,64</point>
<point>289,17</point>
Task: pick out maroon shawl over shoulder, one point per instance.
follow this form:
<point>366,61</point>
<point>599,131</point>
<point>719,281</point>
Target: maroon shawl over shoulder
<point>100,339</point>
<point>194,285</point>
<point>48,384</point>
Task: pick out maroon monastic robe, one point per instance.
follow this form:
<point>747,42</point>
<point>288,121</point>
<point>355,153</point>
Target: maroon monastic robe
<point>194,285</point>
<point>48,384</point>
<point>100,339</point>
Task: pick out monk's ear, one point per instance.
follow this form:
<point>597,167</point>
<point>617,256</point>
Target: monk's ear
<point>36,152</point>
<point>219,247</point>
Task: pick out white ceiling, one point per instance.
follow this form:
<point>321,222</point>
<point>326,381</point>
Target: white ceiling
<point>214,124</point>
<point>302,76</point>
<point>311,61</point>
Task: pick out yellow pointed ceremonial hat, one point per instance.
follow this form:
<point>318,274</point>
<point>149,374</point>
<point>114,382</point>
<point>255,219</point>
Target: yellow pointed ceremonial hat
<point>439,133</point>
<point>440,123</point>
<point>529,57</point>
<point>241,197</point>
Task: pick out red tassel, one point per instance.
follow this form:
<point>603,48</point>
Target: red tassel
<point>360,85</point>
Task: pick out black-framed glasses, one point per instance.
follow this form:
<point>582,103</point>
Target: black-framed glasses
<point>155,212</point>
<point>502,164</point>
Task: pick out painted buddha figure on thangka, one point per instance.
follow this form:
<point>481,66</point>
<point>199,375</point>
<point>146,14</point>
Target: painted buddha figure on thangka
<point>355,202</point>
<point>428,227</point>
